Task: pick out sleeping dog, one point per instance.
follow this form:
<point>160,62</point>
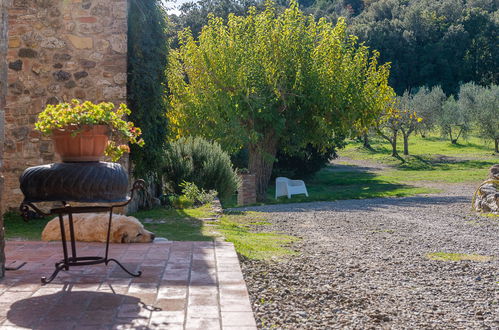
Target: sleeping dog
<point>92,227</point>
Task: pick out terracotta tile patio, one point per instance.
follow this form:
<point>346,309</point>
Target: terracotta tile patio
<point>184,285</point>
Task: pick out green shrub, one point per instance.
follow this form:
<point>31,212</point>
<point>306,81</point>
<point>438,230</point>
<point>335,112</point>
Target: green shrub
<point>183,202</point>
<point>201,162</point>
<point>303,164</point>
<point>198,196</point>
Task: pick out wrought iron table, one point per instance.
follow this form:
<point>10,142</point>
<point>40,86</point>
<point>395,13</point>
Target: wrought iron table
<point>38,186</point>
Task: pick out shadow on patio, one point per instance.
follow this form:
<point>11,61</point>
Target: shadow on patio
<point>184,285</point>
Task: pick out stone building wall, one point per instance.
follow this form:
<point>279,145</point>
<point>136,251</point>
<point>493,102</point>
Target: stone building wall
<point>57,50</point>
<point>3,91</point>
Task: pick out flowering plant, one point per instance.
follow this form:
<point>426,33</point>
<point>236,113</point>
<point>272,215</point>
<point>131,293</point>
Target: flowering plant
<point>76,115</point>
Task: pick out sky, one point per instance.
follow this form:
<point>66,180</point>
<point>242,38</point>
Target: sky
<point>174,5</point>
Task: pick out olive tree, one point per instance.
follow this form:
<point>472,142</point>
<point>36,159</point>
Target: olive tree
<point>273,79</point>
<point>454,119</point>
<point>427,103</point>
<point>483,103</point>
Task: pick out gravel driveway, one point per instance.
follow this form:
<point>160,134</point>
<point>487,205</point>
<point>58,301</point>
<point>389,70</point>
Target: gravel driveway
<point>362,264</point>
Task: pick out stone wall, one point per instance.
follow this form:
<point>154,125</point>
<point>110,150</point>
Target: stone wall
<point>246,194</point>
<point>3,90</point>
<point>58,50</point>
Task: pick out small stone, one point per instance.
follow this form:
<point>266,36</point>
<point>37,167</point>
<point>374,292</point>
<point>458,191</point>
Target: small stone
<point>27,52</point>
<point>80,74</point>
<point>16,88</point>
<point>14,42</point>
<point>80,94</point>
<point>70,26</point>
<point>16,65</point>
<point>101,11</point>
<point>70,84</point>
<point>120,78</point>
<point>61,75</point>
<point>57,66</point>
<point>55,89</point>
<point>36,68</point>
<point>62,57</point>
<point>86,4</point>
<point>86,64</point>
<point>54,12</point>
<point>52,43</point>
<point>20,133</point>
<point>119,43</point>
<point>102,45</point>
<point>81,42</point>
<point>38,91</point>
<point>52,100</point>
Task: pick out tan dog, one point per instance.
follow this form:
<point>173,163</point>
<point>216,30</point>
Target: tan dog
<point>92,227</point>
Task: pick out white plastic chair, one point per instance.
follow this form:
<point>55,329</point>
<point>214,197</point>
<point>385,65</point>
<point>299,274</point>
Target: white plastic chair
<point>287,187</point>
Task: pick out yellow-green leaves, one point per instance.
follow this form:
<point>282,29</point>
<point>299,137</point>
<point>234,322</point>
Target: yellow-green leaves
<point>285,73</point>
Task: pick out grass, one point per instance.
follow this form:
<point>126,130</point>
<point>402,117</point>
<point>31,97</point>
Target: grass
<point>17,228</point>
<point>238,229</point>
<point>327,185</point>
<point>432,159</point>
<point>443,256</point>
<point>188,225</point>
<point>180,224</point>
<point>431,146</point>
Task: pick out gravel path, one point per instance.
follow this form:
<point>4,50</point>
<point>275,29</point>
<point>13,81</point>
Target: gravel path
<point>362,264</point>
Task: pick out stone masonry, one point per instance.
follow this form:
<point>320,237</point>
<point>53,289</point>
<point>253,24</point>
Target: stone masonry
<point>3,90</point>
<point>57,50</point>
<point>246,194</point>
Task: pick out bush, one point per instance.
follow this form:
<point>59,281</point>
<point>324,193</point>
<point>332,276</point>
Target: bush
<point>201,162</point>
<point>304,164</point>
<point>198,196</point>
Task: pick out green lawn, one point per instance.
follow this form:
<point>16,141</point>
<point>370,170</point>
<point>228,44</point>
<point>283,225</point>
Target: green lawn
<point>188,225</point>
<point>421,150</point>
<point>17,228</point>
<point>328,185</point>
<point>431,159</point>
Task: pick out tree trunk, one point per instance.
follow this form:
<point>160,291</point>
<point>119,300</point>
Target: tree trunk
<point>366,143</point>
<point>497,145</point>
<point>393,142</point>
<point>406,144</point>
<point>261,160</point>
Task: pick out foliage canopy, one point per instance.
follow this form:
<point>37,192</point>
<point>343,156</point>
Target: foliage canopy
<point>273,79</point>
<point>147,46</point>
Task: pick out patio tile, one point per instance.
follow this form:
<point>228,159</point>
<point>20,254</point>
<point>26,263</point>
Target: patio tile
<point>199,323</point>
<point>167,317</point>
<point>97,317</point>
<point>170,304</point>
<point>198,285</point>
<point>203,300</point>
<point>204,312</point>
<point>238,319</point>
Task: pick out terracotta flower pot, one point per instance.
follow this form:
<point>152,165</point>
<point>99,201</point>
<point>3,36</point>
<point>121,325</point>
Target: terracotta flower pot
<point>87,145</point>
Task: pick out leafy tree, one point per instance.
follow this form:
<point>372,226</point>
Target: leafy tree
<point>427,103</point>
<point>483,102</point>
<point>147,45</point>
<point>270,80</point>
<point>433,42</point>
<point>407,118</point>
<point>398,118</point>
<point>388,128</point>
<point>454,120</point>
<point>194,14</point>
